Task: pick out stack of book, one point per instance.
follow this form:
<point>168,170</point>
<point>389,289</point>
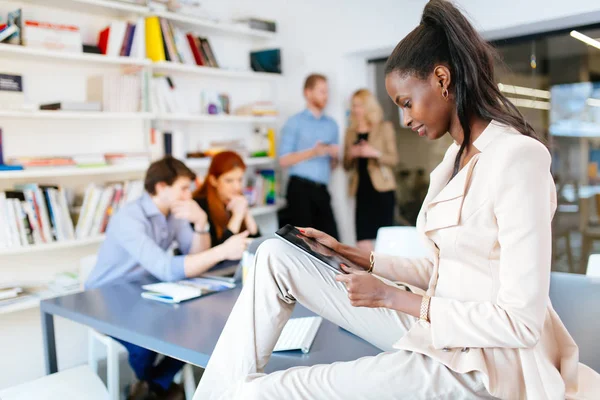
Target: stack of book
<point>11,295</point>
<point>101,202</point>
<point>116,93</point>
<point>258,109</point>
<point>34,214</point>
<point>80,161</point>
<point>164,42</point>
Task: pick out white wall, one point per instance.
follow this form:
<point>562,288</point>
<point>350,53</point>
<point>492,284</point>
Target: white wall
<point>495,15</point>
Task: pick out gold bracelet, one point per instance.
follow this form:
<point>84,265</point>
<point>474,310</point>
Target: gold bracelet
<point>371,262</point>
<point>424,314</point>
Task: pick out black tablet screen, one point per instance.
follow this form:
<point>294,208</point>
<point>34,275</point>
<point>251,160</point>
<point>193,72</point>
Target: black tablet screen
<point>309,245</point>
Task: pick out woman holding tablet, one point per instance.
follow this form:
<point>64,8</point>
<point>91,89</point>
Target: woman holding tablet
<point>478,322</point>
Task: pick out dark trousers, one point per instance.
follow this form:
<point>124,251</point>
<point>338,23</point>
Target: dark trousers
<point>309,205</point>
<point>142,361</point>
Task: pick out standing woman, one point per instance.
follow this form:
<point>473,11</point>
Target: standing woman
<point>370,155</point>
<point>478,323</point>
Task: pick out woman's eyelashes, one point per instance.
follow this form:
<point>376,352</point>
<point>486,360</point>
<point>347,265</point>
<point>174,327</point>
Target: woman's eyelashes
<point>407,104</point>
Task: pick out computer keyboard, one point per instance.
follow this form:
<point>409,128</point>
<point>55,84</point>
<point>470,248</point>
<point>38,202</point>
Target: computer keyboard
<point>298,334</point>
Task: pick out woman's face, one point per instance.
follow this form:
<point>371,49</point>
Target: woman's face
<point>230,184</point>
<point>358,109</point>
<point>425,110</point>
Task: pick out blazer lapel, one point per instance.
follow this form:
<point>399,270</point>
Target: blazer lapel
<point>444,209</point>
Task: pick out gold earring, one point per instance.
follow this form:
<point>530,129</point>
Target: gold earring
<point>445,94</point>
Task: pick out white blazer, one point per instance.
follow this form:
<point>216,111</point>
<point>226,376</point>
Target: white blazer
<point>489,232</point>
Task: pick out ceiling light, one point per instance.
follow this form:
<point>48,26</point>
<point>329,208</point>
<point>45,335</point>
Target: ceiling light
<point>586,39</point>
<point>526,103</point>
<point>524,91</point>
<point>593,102</point>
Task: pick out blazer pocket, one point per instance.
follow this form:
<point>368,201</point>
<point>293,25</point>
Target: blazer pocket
<point>444,214</point>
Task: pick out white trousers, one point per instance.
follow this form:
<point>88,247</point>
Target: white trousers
<point>283,275</point>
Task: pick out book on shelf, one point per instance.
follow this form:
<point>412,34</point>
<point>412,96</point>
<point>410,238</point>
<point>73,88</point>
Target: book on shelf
<point>90,160</point>
<point>101,202</point>
<point>34,214</point>
<point>258,24</point>
<point>15,20</point>
<point>12,94</point>
<point>262,188</point>
<point>19,294</point>
<point>89,106</point>
<point>80,161</point>
<point>123,39</point>
<point>166,42</point>
<point>7,31</point>
<point>130,159</point>
<point>41,162</point>
<point>257,109</point>
<point>55,37</point>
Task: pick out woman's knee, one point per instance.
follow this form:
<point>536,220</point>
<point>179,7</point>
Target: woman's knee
<point>276,257</point>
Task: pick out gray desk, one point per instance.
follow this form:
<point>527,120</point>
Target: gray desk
<point>188,331</point>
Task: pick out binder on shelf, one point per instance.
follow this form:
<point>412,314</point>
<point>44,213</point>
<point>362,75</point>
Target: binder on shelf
<point>154,42</point>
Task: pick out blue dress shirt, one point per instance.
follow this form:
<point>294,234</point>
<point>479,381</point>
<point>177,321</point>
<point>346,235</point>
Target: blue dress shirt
<point>137,242</point>
<point>302,132</point>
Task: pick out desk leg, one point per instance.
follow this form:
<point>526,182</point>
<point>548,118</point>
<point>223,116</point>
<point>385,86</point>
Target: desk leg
<point>49,343</point>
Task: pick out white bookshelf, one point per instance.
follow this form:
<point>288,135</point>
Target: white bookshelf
<point>204,163</point>
<point>174,67</point>
<point>24,52</point>
<point>223,118</point>
<point>98,7</point>
<point>34,301</point>
<point>77,115</point>
<point>72,171</point>
<point>40,248</point>
<point>206,26</point>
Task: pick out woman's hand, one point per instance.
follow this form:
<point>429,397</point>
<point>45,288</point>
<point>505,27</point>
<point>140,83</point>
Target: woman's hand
<point>355,151</point>
<point>238,205</point>
<point>365,290</point>
<point>369,151</point>
<point>321,237</point>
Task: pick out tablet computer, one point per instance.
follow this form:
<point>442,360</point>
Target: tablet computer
<point>321,253</point>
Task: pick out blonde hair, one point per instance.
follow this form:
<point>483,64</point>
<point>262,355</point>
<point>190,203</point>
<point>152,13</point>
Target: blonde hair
<point>374,112</point>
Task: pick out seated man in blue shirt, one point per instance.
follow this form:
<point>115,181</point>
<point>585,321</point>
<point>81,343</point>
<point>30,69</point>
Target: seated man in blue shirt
<point>308,147</point>
<point>137,243</point>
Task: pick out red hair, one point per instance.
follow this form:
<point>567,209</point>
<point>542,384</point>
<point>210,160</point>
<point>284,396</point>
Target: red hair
<point>221,163</point>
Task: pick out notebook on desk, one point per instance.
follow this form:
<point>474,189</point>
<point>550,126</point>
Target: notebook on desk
<point>176,292</point>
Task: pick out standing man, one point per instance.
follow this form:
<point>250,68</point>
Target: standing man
<point>309,149</point>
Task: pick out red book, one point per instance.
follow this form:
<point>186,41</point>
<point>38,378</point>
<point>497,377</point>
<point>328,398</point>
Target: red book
<point>195,49</point>
<point>103,40</point>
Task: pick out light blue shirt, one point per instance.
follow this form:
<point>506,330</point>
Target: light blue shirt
<point>302,132</point>
<point>138,238</point>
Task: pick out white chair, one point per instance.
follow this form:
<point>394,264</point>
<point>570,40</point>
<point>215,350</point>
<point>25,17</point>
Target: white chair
<point>114,349</point>
<point>593,266</point>
<point>400,241</point>
<point>71,384</point>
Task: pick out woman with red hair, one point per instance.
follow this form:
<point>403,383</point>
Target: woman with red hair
<point>221,197</point>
